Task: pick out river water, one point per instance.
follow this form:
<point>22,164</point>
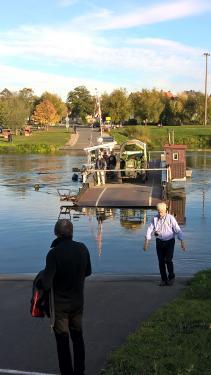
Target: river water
<point>114,237</point>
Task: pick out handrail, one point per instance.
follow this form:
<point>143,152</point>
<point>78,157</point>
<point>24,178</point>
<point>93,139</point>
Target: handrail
<point>167,170</point>
<point>127,169</point>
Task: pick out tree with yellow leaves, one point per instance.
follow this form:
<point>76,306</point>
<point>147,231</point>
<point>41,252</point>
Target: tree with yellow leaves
<point>59,105</point>
<point>45,113</point>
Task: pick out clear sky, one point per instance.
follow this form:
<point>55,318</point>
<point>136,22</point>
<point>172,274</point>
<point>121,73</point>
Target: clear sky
<point>56,45</point>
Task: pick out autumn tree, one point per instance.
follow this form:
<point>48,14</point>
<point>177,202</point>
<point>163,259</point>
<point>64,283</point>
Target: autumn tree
<point>59,105</point>
<point>45,113</point>
<point>80,102</point>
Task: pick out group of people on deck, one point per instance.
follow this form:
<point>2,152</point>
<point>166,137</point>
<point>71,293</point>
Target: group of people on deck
<point>105,163</point>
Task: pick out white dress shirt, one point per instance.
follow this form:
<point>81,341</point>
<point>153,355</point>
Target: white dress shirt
<point>166,227</point>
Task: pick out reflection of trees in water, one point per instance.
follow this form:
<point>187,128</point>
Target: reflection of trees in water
<point>132,218</point>
<point>21,172</point>
<point>200,159</point>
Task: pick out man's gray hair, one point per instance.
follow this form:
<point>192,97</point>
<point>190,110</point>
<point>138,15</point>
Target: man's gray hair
<point>63,228</point>
<point>162,206</point>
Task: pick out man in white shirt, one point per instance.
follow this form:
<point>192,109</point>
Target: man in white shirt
<point>100,166</point>
<point>165,228</point>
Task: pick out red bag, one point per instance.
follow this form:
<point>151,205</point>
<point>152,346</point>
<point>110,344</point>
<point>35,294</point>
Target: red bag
<point>37,310</point>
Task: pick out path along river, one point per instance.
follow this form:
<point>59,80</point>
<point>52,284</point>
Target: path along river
<point>115,240</point>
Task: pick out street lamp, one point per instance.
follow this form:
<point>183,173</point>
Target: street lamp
<point>206,54</point>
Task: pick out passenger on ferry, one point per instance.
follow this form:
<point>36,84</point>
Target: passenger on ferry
<point>111,164</point>
<point>100,166</point>
<point>112,161</point>
<point>105,157</point>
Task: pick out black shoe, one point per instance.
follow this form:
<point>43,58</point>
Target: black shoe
<point>171,282</point>
<point>162,283</point>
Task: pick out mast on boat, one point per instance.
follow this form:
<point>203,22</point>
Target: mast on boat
<point>98,113</point>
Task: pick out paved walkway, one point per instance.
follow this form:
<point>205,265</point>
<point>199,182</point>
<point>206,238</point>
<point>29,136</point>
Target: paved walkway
<point>114,307</point>
<point>84,137</point>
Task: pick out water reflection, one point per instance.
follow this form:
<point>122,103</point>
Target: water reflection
<point>24,172</point>
<point>114,236</point>
<point>130,219</point>
<point>176,207</point>
<point>199,160</point>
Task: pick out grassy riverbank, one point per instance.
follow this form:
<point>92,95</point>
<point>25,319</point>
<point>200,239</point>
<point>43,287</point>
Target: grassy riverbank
<point>39,142</point>
<point>176,340</point>
<point>196,137</point>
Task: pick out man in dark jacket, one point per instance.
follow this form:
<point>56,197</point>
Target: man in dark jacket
<point>111,163</point>
<point>67,265</point>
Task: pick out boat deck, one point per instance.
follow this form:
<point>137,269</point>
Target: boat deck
<point>123,194</point>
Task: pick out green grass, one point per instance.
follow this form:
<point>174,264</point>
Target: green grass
<point>38,142</point>
<point>196,137</point>
<point>176,340</point>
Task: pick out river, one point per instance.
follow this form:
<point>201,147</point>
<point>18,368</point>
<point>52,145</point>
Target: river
<point>114,237</point>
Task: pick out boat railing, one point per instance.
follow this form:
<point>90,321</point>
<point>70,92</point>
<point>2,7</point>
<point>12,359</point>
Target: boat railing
<point>164,171</point>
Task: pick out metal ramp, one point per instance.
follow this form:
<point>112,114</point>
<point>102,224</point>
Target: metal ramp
<point>120,195</point>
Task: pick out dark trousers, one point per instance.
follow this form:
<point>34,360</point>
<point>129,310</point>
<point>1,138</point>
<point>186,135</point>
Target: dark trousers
<point>165,252</point>
<point>64,326</point>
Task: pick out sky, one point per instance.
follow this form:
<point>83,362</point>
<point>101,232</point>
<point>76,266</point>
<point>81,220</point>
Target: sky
<point>57,45</point>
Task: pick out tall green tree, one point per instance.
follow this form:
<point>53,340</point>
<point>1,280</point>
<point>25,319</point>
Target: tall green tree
<point>105,105</point>
<point>80,102</point>
<point>119,106</point>
<point>194,108</point>
<point>14,112</point>
<point>148,105</point>
<point>30,99</point>
<point>172,113</point>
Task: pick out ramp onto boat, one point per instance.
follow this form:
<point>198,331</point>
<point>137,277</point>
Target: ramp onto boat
<point>120,195</point>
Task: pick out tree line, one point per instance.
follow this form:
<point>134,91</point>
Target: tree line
<point>141,107</point>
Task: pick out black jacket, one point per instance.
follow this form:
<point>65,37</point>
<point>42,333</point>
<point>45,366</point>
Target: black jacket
<point>111,161</point>
<point>67,265</point>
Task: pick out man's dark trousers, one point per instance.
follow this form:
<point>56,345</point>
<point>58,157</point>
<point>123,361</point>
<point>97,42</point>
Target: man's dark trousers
<point>66,324</point>
<point>165,252</point>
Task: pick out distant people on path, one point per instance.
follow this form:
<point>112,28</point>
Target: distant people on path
<point>100,167</point>
<point>165,228</point>
<point>9,136</point>
<point>67,123</point>
<point>67,265</point>
<point>75,129</point>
